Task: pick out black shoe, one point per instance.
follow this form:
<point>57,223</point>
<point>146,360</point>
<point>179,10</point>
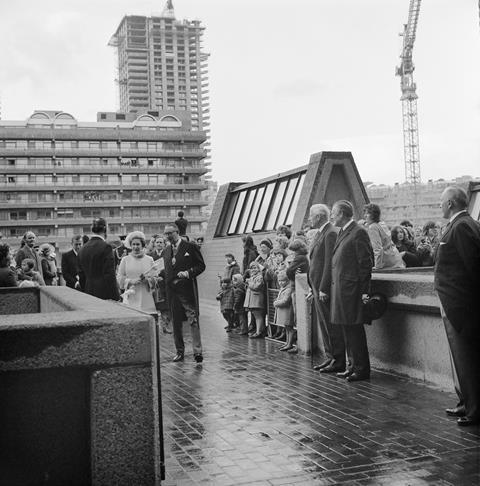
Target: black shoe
<point>356,377</point>
<point>166,330</point>
<point>466,421</point>
<point>322,365</point>
<point>455,412</point>
<point>344,374</point>
<point>293,350</point>
<point>198,358</point>
<point>178,357</point>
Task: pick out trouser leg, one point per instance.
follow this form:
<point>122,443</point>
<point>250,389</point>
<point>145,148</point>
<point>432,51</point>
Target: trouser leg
<point>177,318</point>
<point>190,312</point>
<point>322,325</point>
<point>456,383</point>
<point>466,359</point>
<point>357,349</point>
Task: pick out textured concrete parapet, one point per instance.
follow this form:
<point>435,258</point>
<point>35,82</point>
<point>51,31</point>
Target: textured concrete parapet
<point>408,339</point>
<point>100,352</point>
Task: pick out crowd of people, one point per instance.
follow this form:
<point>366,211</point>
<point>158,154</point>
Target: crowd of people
<point>336,253</point>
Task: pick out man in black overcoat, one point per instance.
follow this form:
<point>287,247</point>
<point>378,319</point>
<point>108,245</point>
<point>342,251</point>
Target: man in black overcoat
<point>319,279</point>
<point>457,281</point>
<point>97,265</point>
<point>183,263</point>
<point>70,268</point>
<point>352,263</point>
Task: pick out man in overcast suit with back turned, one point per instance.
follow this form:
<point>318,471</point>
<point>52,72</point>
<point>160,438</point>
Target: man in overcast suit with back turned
<point>457,281</point>
<point>319,279</point>
<point>97,265</point>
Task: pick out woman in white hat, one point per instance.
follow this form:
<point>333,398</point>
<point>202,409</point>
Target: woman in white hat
<point>135,274</point>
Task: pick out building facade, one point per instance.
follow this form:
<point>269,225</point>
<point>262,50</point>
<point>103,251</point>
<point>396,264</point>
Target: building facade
<point>57,174</point>
<point>402,201</point>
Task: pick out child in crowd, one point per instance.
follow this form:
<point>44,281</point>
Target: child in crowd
<point>239,314</point>
<point>299,264</point>
<point>283,310</point>
<point>225,296</point>
<point>26,273</point>
<point>232,267</point>
<point>255,299</point>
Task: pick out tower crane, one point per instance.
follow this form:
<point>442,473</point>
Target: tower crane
<point>409,98</point>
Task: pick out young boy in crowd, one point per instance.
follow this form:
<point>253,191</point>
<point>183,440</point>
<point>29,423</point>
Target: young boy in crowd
<point>240,316</point>
<point>26,272</point>
<point>225,296</point>
<point>283,309</point>
<point>232,267</point>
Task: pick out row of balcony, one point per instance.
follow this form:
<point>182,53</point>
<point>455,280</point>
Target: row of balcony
<point>78,221</point>
<point>7,170</point>
<point>6,186</point>
<point>99,152</point>
<point>67,204</point>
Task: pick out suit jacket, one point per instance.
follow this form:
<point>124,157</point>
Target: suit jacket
<point>70,268</point>
<point>457,274</point>
<point>320,270</point>
<point>97,269</point>
<point>188,258</point>
<point>352,263</point>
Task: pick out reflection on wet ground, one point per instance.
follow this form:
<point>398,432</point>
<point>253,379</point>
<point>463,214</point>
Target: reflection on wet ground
<point>254,415</point>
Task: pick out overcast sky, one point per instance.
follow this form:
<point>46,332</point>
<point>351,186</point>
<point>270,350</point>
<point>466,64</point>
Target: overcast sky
<point>287,77</point>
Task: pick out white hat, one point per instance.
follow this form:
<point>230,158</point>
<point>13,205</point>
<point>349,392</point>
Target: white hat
<point>134,234</point>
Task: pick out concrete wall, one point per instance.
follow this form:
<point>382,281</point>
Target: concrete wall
<point>103,355</point>
<point>409,339</point>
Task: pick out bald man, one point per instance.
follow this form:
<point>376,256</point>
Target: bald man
<point>457,281</point>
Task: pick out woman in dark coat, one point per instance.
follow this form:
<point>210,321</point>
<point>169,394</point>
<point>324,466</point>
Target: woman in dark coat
<point>405,246</point>
<point>8,276</point>
<point>250,253</point>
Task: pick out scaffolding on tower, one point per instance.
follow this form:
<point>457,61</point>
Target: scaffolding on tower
<point>409,99</point>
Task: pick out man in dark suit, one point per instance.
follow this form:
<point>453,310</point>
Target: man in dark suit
<point>97,265</point>
<point>181,223</point>
<point>320,278</point>
<point>457,281</point>
<point>352,263</point>
<point>70,270</point>
<point>183,263</point>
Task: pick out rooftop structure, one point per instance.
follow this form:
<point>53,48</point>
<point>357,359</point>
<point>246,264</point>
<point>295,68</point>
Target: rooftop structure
<point>137,171</point>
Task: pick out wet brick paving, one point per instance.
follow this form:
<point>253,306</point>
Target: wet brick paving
<point>253,415</point>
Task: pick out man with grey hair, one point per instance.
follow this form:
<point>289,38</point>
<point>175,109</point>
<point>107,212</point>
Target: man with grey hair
<point>457,281</point>
<point>320,278</point>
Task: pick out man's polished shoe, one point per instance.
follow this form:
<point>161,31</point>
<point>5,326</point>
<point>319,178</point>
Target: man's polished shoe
<point>331,368</point>
<point>356,377</point>
<point>466,421</point>
<point>322,365</point>
<point>198,358</point>
<point>455,412</point>
<point>344,374</point>
<point>178,357</point>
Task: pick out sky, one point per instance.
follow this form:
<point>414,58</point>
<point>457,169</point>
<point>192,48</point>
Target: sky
<point>287,78</point>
